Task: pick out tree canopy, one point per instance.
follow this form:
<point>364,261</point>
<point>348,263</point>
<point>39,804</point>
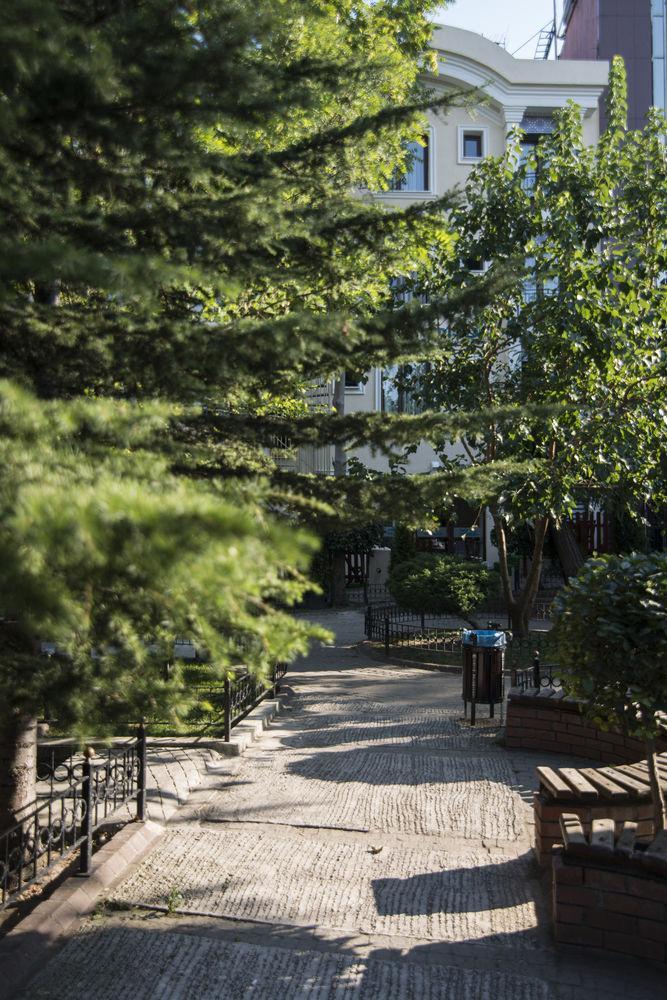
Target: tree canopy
<point>185,245</point>
<point>577,339</point>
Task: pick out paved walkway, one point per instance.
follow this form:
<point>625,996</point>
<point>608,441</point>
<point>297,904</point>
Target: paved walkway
<point>369,847</point>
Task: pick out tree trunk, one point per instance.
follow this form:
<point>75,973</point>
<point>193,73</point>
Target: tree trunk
<point>519,604</point>
<point>18,768</point>
<point>657,793</point>
<point>570,555</point>
<point>338,579</point>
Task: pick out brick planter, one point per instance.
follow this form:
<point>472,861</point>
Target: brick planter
<point>557,725</point>
<point>618,909</point>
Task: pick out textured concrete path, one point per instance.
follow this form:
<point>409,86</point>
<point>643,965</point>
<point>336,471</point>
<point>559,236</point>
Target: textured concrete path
<point>369,847</point>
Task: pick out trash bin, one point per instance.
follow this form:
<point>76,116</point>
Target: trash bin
<point>483,663</point>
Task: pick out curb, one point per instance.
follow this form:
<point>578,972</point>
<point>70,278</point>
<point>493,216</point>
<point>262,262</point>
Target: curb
<point>376,654</point>
<point>28,945</point>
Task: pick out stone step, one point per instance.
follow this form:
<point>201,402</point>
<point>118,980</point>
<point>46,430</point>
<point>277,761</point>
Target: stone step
<point>243,734</point>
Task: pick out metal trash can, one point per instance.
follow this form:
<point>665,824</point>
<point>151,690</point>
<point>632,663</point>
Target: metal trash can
<point>483,665</point>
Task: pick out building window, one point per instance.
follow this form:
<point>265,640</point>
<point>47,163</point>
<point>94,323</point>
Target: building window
<point>535,129</point>
<point>355,381</point>
<point>396,394</point>
<point>417,174</point>
<point>472,144</point>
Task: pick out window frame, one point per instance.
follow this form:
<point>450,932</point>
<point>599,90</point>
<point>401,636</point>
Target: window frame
<point>480,131</point>
<point>429,164</point>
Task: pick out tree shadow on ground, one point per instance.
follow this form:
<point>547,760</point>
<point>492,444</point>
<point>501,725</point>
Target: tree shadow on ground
<point>387,766</point>
<point>472,889</point>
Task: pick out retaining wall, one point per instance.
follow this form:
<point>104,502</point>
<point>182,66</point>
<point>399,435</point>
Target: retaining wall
<point>540,723</point>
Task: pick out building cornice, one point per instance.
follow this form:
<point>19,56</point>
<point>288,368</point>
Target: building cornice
<point>468,59</point>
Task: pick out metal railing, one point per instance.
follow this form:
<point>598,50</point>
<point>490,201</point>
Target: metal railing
<point>538,676</point>
<point>79,793</point>
<point>521,650</point>
<point>395,627</point>
<point>377,613</point>
<point>244,693</point>
<point>368,593</point>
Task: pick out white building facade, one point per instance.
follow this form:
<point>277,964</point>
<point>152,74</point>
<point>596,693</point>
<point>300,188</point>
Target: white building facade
<point>520,92</point>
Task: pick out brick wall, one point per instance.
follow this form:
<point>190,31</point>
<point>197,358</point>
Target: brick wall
<point>559,727</point>
<point>615,909</point>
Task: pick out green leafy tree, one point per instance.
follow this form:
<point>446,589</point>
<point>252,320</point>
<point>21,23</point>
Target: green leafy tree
<point>577,339</point>
<point>611,634</point>
<point>440,584</point>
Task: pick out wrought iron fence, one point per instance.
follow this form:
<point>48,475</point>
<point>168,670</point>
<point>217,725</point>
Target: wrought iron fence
<point>220,706</point>
<point>375,614</point>
<point>79,793</point>
<point>395,627</point>
<point>521,650</point>
<point>243,693</point>
<point>538,676</point>
<point>368,593</point>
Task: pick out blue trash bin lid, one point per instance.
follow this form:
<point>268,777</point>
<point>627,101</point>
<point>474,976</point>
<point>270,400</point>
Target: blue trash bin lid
<point>486,638</point>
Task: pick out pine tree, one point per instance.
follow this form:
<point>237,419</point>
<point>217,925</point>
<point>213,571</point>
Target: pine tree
<point>181,251</point>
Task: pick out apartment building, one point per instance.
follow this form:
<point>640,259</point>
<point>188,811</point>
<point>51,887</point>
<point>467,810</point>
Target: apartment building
<point>521,92</point>
<point>634,29</point>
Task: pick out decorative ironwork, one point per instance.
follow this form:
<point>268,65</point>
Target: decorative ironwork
<point>538,676</point>
<point>92,788</point>
<point>245,691</point>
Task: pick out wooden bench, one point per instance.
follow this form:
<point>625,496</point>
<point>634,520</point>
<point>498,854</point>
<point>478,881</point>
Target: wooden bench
<point>610,890</point>
<point>621,793</point>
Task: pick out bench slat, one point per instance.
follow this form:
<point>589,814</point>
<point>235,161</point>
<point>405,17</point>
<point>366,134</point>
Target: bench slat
<point>602,834</point>
<point>625,781</point>
<point>583,789</point>
<point>626,841</point>
<point>641,767</point>
<point>572,830</point>
<point>554,783</point>
<point>658,849</point>
<point>608,788</point>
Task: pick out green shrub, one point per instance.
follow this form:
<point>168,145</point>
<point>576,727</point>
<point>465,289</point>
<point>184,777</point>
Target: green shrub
<point>435,584</point>
<point>403,546</point>
<point>611,635</point>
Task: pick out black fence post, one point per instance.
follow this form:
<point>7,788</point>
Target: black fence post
<point>274,679</point>
<point>536,669</point>
<point>86,856</point>
<point>422,619</point>
<point>141,776</point>
<point>386,636</point>
<point>474,670</point>
<point>228,710</point>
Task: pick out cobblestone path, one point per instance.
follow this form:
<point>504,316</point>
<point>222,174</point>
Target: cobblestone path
<point>369,847</point>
